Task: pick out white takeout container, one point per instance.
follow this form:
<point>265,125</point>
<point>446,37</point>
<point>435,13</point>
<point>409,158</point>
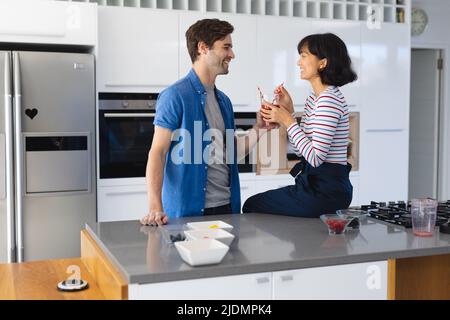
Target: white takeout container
<point>201,252</point>
<point>216,224</point>
<point>218,234</point>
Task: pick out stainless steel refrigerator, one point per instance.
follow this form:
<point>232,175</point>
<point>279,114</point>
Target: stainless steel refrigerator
<point>47,153</point>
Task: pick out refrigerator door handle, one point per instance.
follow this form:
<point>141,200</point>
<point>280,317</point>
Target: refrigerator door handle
<point>18,143</point>
<point>9,144</point>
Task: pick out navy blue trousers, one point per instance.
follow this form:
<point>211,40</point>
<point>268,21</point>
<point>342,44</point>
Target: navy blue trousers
<point>320,190</point>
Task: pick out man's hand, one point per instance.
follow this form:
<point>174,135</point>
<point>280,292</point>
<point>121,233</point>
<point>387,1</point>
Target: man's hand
<point>155,218</point>
<point>154,176</point>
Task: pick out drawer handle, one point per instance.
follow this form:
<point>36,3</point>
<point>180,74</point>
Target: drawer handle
<point>287,278</point>
<point>125,193</point>
<point>262,280</point>
<point>244,188</point>
<point>118,84</point>
<point>384,130</point>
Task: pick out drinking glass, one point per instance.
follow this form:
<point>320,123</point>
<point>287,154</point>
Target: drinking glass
<point>423,215</point>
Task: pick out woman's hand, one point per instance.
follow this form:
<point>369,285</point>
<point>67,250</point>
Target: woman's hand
<point>284,98</point>
<point>261,124</point>
<point>278,114</point>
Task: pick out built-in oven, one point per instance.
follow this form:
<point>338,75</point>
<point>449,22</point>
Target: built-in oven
<point>243,122</point>
<point>125,133</point>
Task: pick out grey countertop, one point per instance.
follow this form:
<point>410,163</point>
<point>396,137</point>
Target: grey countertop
<point>263,243</point>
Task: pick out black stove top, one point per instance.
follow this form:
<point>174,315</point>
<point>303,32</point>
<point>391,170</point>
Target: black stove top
<point>398,212</point>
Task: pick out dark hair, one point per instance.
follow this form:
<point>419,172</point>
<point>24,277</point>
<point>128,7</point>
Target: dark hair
<point>338,71</point>
<point>207,31</point>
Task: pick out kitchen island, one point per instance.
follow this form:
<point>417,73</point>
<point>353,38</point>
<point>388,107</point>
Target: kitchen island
<point>272,257</point>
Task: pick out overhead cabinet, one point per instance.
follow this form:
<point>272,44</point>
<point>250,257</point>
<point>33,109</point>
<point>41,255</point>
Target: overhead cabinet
<point>48,22</point>
<point>239,84</point>
<point>138,49</point>
<point>350,33</point>
<point>385,78</point>
<point>277,56</point>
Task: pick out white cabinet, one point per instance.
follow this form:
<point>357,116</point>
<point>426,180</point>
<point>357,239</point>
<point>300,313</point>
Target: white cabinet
<point>350,281</point>
<point>138,49</point>
<point>361,281</point>
<point>48,22</point>
<point>350,33</point>
<point>121,203</point>
<point>354,179</point>
<point>257,286</point>
<point>384,143</point>
<point>384,165</point>
<point>277,56</point>
<point>247,188</point>
<point>265,183</point>
<point>385,76</point>
<point>239,84</point>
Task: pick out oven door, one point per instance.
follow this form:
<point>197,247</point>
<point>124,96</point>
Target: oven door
<point>244,121</point>
<point>125,140</point>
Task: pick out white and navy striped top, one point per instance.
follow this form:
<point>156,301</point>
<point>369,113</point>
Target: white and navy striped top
<point>323,133</point>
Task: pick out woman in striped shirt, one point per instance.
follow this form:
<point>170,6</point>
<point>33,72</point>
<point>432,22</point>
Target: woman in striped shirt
<point>321,139</point>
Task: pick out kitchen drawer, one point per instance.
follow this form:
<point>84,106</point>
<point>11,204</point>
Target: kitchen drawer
<point>359,281</point>
<point>122,203</point>
<point>257,286</point>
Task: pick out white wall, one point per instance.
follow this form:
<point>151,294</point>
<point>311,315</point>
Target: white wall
<point>436,36</point>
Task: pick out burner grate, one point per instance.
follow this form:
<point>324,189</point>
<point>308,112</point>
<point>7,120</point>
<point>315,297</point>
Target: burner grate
<point>399,212</point>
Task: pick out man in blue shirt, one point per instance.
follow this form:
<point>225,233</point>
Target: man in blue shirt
<point>192,164</point>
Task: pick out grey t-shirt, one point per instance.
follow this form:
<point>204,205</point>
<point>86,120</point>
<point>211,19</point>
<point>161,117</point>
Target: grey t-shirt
<point>218,179</point>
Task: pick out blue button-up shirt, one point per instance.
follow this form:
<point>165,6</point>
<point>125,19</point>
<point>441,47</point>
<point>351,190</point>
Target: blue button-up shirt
<point>181,108</point>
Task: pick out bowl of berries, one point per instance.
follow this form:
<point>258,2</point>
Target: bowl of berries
<point>335,223</point>
<point>354,215</point>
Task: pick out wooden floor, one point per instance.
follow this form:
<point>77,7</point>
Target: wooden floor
<point>38,280</point>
